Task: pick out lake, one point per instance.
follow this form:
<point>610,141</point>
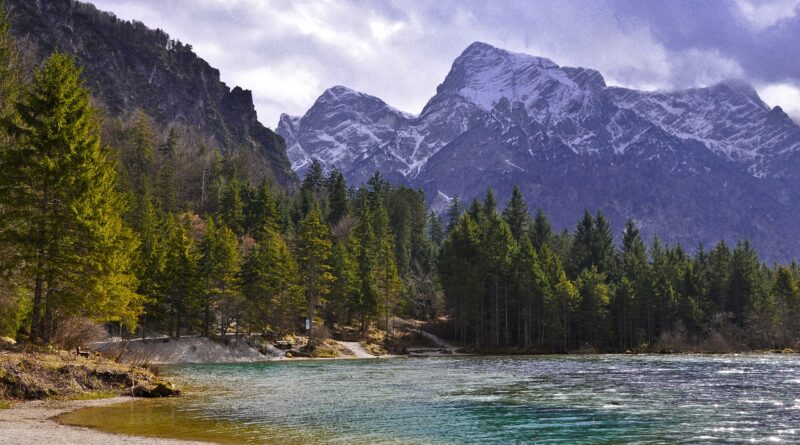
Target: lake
<point>488,400</point>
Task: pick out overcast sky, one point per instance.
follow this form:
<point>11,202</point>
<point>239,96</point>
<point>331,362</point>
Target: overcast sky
<point>288,52</point>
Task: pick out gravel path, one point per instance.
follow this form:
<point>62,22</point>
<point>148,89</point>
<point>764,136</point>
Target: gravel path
<point>357,349</point>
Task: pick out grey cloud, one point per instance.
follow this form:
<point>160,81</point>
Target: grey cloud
<point>289,52</point>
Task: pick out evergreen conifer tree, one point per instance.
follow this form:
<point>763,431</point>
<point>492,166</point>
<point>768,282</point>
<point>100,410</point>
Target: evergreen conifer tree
<point>62,208</point>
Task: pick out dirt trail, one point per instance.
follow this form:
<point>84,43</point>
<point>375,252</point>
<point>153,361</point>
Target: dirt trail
<point>356,348</point>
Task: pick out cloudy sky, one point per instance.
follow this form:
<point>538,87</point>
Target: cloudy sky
<point>289,52</point>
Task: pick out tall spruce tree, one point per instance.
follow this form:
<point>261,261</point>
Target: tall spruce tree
<point>182,287</point>
<point>338,199</point>
<point>313,255</point>
<point>13,299</point>
<point>516,214</point>
<point>541,230</point>
<point>61,205</point>
<point>219,265</point>
<point>167,180</point>
<point>271,282</point>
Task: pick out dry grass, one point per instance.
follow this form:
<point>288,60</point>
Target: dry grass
<point>330,349</point>
<point>31,373</point>
<point>373,348</point>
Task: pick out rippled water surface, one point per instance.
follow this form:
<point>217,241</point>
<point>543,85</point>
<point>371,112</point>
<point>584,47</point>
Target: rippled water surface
<point>495,400</point>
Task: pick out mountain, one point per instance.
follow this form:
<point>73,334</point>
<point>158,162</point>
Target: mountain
<point>699,165</point>
<point>129,67</point>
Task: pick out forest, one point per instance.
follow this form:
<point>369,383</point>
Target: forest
<point>154,230</point>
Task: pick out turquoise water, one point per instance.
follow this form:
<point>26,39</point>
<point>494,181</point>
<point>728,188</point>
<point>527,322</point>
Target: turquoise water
<point>500,400</point>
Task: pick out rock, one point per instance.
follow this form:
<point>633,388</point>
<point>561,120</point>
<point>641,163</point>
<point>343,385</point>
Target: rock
<point>157,389</point>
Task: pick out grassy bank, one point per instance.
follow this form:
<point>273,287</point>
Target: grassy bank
<point>37,373</point>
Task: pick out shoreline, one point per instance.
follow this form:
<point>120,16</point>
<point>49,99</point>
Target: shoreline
<point>36,422</point>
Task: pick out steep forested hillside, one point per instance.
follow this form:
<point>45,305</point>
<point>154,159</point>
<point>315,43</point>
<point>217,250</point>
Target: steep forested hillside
<point>130,67</point>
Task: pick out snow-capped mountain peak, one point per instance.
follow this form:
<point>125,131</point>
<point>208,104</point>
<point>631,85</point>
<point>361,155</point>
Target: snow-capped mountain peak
<point>484,74</point>
<point>501,118</point>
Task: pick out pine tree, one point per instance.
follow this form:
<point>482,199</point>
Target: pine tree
<point>604,255</point>
<point>592,313</point>
<point>13,297</point>
<point>718,275</point>
<point>271,282</point>
<point>435,230</point>
<point>787,295</point>
<point>150,263</point>
<point>630,305</point>
<point>232,207</point>
<point>746,285</point>
<point>516,214</point>
<point>182,278</point>
<point>489,206</point>
<point>562,300</point>
<point>138,159</point>
<point>60,200</point>
<point>313,255</point>
<point>262,214</point>
<point>580,255</point>
<point>497,246</point>
<point>219,266</point>
<point>366,303</point>
<point>337,197</point>
<point>167,180</point>
<point>388,279</point>
<point>343,301</point>
<point>454,211</point>
<point>541,231</point>
<point>528,285</point>
<point>462,275</point>
<point>311,191</point>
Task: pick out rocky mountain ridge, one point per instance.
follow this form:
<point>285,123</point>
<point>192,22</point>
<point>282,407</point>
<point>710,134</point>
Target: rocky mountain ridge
<point>697,165</point>
<point>129,67</point>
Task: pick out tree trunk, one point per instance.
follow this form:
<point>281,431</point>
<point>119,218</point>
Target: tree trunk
<point>36,315</point>
<point>310,343</point>
<point>207,319</point>
<point>505,301</point>
<point>496,314</point>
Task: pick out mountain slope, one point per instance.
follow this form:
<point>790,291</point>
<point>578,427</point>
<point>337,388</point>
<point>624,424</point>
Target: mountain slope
<point>129,66</point>
<point>697,165</point>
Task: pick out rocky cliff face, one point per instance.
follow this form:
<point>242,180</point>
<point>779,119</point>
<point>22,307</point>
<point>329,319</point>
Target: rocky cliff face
<point>129,66</point>
<point>697,165</point>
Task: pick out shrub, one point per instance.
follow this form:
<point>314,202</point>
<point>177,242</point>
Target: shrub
<point>77,332</point>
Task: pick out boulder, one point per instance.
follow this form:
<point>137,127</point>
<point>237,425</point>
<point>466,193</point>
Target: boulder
<point>157,389</point>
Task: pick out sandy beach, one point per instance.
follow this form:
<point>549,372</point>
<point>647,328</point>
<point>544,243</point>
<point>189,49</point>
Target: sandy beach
<point>34,423</point>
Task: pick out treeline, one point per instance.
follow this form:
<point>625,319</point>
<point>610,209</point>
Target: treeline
<point>510,282</point>
<point>259,260</point>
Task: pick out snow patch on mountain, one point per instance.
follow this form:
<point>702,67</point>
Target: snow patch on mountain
<point>539,106</point>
